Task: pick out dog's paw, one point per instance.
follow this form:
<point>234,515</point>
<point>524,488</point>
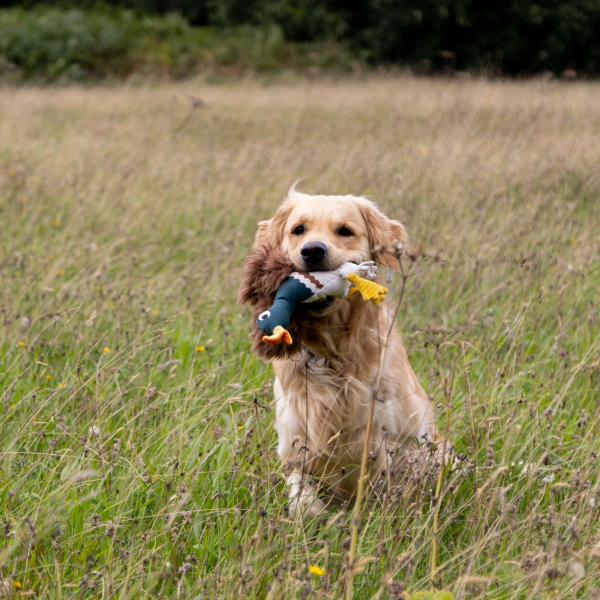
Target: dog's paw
<point>309,506</point>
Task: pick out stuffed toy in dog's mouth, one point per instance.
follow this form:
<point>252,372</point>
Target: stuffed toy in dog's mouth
<point>275,290</point>
<point>316,290</point>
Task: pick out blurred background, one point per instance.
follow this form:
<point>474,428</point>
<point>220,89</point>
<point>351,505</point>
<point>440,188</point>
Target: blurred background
<point>83,39</point>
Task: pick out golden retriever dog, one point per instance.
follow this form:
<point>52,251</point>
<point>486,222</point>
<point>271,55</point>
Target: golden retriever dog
<point>323,394</point>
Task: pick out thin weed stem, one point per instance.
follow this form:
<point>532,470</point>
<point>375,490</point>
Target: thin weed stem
<point>438,487</point>
<point>356,517</point>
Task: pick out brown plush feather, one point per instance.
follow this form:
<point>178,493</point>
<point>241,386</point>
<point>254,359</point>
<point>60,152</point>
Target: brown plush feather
<point>263,271</point>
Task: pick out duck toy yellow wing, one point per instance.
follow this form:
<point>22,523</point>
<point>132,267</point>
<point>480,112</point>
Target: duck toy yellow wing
<point>305,288</point>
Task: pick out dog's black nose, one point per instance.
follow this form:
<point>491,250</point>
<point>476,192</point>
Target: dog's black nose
<point>313,252</point>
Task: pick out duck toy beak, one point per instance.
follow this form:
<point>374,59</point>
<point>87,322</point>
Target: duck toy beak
<point>279,335</point>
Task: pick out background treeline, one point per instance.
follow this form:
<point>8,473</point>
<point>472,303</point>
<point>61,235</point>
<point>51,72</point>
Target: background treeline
<point>78,38</point>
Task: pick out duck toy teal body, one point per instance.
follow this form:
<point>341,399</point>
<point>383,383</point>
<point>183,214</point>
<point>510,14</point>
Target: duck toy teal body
<point>304,288</point>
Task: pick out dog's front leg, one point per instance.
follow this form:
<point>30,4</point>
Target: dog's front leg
<point>293,449</point>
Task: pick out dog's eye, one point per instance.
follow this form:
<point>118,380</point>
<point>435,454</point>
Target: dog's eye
<point>264,316</point>
<point>299,230</point>
<point>344,232</point>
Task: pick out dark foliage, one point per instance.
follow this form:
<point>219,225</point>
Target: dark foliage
<point>514,36</point>
<point>518,36</point>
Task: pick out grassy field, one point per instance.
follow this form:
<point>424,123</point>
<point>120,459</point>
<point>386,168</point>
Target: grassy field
<point>134,460</point>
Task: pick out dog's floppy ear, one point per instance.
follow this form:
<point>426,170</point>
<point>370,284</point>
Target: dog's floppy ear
<point>263,235</point>
<point>385,235</point>
<point>271,232</point>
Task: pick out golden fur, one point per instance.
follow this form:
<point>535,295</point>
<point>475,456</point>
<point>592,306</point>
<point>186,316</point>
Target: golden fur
<point>321,431</point>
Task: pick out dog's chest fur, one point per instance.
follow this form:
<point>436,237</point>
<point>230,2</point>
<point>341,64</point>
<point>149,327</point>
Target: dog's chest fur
<point>329,396</point>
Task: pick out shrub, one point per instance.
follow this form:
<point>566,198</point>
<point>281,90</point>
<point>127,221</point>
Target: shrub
<point>76,43</point>
<point>73,43</point>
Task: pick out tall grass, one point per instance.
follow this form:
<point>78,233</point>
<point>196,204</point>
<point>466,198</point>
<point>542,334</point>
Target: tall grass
<point>137,444</point>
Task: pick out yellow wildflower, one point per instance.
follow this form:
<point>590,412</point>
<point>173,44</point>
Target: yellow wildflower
<point>56,222</point>
<point>48,376</point>
<point>59,272</point>
<point>154,312</point>
<point>316,570</point>
<point>240,427</point>
<point>25,201</point>
<point>199,348</point>
<point>17,584</point>
<point>21,344</point>
<point>106,350</point>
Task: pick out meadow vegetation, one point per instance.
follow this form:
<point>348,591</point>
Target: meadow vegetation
<point>137,450</point>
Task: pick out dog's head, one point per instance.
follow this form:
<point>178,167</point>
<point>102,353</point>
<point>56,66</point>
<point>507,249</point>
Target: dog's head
<point>321,233</point>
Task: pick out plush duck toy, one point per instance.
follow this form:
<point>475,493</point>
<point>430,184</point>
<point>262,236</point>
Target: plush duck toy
<point>265,287</point>
<point>304,288</point>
